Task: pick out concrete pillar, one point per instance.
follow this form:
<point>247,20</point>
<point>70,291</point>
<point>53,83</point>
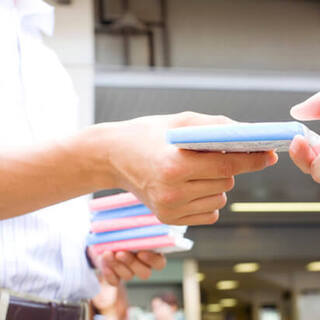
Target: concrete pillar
<point>282,310</point>
<point>191,290</point>
<point>294,305</point>
<point>255,310</point>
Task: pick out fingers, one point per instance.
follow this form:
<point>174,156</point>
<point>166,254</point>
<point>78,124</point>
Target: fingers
<point>110,276</point>
<point>202,175</point>
<point>200,210</point>
<point>302,154</point>
<point>305,158</point>
<point>219,166</point>
<point>205,188</point>
<point>307,110</point>
<point>107,271</point>
<point>114,270</point>
<point>207,204</point>
<point>200,219</point>
<point>139,269</point>
<point>125,265</point>
<point>195,190</point>
<point>153,260</point>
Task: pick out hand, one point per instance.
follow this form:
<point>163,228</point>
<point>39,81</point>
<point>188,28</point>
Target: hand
<point>163,311</point>
<point>125,265</point>
<point>181,187</point>
<point>302,154</point>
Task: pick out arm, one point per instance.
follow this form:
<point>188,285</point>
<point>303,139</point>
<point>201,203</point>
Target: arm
<point>33,178</point>
<point>305,157</point>
<point>180,186</point>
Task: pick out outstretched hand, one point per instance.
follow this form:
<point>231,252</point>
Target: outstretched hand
<point>181,187</point>
<point>307,158</point>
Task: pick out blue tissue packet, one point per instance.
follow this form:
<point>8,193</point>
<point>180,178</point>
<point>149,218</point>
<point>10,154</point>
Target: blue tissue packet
<point>241,137</point>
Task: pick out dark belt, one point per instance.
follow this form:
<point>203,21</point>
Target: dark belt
<point>20,309</point>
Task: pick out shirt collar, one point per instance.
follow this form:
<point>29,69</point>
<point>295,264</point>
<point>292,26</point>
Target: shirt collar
<point>38,14</point>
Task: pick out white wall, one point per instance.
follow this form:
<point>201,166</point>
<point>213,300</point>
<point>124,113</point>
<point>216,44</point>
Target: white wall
<point>74,43</point>
<point>236,34</point>
<point>309,307</point>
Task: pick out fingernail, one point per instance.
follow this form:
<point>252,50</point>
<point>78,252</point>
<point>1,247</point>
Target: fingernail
<point>272,159</point>
<point>301,112</point>
<point>295,110</point>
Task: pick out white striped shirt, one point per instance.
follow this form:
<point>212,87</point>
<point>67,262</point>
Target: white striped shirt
<point>41,253</point>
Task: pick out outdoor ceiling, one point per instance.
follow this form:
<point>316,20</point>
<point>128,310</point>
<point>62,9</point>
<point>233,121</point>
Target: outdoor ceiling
<point>274,277</point>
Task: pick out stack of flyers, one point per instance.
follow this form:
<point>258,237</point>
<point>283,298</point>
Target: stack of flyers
<point>122,223</point>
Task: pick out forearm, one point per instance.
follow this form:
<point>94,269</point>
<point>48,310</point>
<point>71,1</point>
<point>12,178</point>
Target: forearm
<point>47,174</point>
<point>179,186</point>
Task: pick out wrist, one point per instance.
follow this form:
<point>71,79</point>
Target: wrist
<point>97,142</point>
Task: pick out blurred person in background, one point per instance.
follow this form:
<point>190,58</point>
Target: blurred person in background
<point>111,303</point>
<point>166,307</point>
<point>44,162</point>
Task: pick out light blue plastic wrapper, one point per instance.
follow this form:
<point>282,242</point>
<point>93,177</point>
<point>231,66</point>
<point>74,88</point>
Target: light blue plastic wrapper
<point>242,137</point>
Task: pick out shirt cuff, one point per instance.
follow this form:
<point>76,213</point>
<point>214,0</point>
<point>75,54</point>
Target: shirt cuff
<point>90,263</point>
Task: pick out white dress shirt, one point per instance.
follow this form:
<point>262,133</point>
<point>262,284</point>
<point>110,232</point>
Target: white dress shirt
<point>41,253</point>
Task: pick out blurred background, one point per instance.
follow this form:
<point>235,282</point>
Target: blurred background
<point>250,60</point>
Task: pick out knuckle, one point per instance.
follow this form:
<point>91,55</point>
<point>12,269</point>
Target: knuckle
<point>166,198</point>
<point>186,116</point>
<point>222,119</point>
<point>229,184</point>
<point>145,275</point>
<point>211,219</point>
<point>164,216</point>
<point>169,170</point>
<point>112,281</point>
<point>222,201</point>
<point>128,277</point>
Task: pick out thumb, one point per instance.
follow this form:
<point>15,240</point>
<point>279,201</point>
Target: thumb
<point>307,110</point>
<point>189,118</point>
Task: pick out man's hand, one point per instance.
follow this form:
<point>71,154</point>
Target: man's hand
<point>305,157</point>
<point>125,265</point>
<point>181,187</point>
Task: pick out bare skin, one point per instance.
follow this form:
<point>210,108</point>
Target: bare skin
<point>305,157</point>
<point>181,187</point>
